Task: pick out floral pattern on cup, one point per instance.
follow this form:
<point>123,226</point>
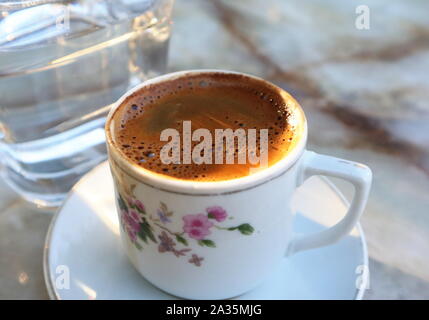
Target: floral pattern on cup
<point>197,226</point>
<point>217,213</point>
<point>143,228</point>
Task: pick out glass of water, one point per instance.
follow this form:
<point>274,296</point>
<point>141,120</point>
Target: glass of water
<point>62,64</point>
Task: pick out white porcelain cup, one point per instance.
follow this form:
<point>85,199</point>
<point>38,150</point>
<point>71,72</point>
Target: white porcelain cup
<point>216,240</point>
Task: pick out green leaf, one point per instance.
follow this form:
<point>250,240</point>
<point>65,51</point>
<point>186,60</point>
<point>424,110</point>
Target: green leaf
<point>232,228</point>
<point>138,209</point>
<point>246,229</point>
<point>207,243</point>
<point>182,240</point>
<point>142,234</point>
<point>146,232</point>
<point>121,203</point>
<point>211,216</point>
<point>138,246</point>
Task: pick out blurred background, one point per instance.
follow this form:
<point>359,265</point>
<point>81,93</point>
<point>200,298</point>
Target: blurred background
<point>364,85</point>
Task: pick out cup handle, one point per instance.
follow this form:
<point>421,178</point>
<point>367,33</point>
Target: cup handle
<point>358,174</point>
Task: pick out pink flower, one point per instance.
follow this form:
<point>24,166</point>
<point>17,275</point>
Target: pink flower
<point>198,233</point>
<point>217,213</point>
<point>132,234</point>
<point>135,216</point>
<point>197,226</point>
<point>134,203</point>
<point>130,201</point>
<point>124,216</point>
<point>139,205</point>
<point>131,224</point>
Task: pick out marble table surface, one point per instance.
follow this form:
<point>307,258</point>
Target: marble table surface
<point>365,94</point>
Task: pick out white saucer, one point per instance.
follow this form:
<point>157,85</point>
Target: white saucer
<point>84,237</point>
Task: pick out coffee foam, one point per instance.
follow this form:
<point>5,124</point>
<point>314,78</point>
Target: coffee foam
<point>213,101</point>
